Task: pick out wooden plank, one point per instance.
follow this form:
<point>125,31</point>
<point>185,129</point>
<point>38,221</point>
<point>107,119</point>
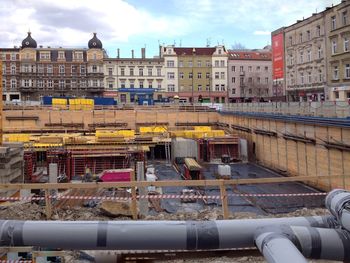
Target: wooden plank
<point>48,206</point>
<point>133,198</point>
<point>224,204</point>
<point>179,183</point>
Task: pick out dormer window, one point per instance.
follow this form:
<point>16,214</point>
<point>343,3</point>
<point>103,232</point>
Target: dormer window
<point>61,55</point>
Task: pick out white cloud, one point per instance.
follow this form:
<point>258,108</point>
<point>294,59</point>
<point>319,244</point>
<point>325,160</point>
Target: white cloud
<point>262,33</point>
<point>70,23</point>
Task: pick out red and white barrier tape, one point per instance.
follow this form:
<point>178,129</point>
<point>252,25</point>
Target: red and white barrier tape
<point>160,196</point>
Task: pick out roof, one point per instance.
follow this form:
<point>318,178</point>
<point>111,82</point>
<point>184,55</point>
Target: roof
<point>249,55</point>
<point>199,51</point>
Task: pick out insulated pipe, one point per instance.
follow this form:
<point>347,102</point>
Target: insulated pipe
<point>278,248</point>
<point>315,243</point>
<point>338,203</point>
<point>143,235</point>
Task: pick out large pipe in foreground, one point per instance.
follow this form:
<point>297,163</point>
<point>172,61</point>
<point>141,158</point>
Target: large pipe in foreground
<point>312,242</point>
<point>144,235</point>
<point>338,203</point>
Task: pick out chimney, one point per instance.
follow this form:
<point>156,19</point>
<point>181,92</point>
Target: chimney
<point>143,53</point>
<point>118,53</point>
<point>132,53</point>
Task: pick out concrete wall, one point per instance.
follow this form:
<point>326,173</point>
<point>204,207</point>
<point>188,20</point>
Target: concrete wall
<point>297,158</point>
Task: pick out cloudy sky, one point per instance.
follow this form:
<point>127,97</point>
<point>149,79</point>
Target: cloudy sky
<point>133,24</point>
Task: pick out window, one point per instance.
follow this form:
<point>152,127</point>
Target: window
<point>334,47</point>
<point>335,73</point>
<point>308,34</point>
<point>336,94</point>
<point>319,52</point>
<point>50,83</point>
<point>13,69</point>
<point>300,37</point>
<point>122,84</point>
<point>159,84</point>
<point>41,68</point>
<point>241,81</point>
<point>13,84</point>
<point>345,18</point>
<point>309,56</point>
<point>258,80</point>
<point>233,80</point>
<point>217,63</point>
<point>222,63</point>
<point>318,31</point>
<point>171,75</point>
<point>320,77</point>
<point>171,87</point>
<point>207,63</point>
<point>122,71</point>
<point>233,68</point>
<point>207,87</point>
<point>95,83</point>
<point>26,83</point>
<point>291,60</point>
<point>333,23</point>
<point>61,84</point>
<point>83,83</point>
<point>241,68</point>
<point>250,80</point>
<point>26,68</point>
<point>250,68</point>
<point>181,63</point>
<point>74,69</point>
<point>61,55</point>
<point>150,86</point>
<point>131,71</point>
<point>347,71</point>
<point>199,63</point>
<point>346,44</point>
<point>266,69</point>
<point>223,87</point>
<point>216,75</point>
<point>233,91</point>
<point>140,71</point>
<point>141,84</point>
<point>199,87</point>
<point>74,84</point>
<point>78,56</point>
<point>217,87</point>
<point>290,41</point>
<point>190,75</point>
<point>110,85</point>
<point>199,75</point>
<point>309,78</point>
<point>13,56</point>
<point>110,71</point>
<point>149,72</point>
<point>61,69</point>
<point>190,64</point>
<point>40,83</point>
<point>170,63</point>
<point>266,80</point>
<point>207,75</point>
<point>82,70</point>
<point>258,68</point>
<point>132,84</point>
<point>44,55</point>
<point>181,74</point>
<point>94,68</point>
<point>222,75</point>
<point>301,57</point>
<point>301,78</point>
<point>159,72</point>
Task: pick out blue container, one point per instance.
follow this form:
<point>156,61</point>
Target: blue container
<point>47,100</point>
<point>104,101</point>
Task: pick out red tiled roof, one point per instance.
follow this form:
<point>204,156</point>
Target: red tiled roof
<point>199,51</point>
<point>249,55</point>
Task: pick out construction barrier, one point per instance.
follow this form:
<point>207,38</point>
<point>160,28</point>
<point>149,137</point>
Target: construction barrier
<point>153,129</point>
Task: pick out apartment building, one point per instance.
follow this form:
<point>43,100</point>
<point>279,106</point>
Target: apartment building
<point>10,73</point>
<point>32,72</point>
<point>250,75</point>
<point>337,26</point>
<point>305,57</point>
<point>130,80</point>
<point>196,74</point>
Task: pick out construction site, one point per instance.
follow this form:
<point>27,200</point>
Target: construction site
<point>170,182</point>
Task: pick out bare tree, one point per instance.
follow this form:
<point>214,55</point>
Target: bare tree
<point>238,46</point>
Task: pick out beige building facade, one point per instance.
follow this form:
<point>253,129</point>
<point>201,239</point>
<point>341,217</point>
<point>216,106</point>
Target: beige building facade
<point>305,59</point>
<point>337,24</point>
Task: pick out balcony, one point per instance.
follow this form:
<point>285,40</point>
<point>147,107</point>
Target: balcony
<point>241,73</point>
<point>27,89</point>
<point>96,89</point>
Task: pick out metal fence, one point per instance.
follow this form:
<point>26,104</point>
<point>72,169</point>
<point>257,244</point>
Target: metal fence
<point>329,109</point>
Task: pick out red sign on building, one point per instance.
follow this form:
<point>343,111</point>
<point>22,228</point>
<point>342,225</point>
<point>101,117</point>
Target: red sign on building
<point>277,56</point>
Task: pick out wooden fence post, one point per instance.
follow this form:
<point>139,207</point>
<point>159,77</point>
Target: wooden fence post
<point>224,203</point>
<point>48,206</point>
<point>133,197</point>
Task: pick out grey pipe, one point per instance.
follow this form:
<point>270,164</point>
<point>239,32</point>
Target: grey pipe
<point>274,246</point>
<point>338,203</point>
<point>315,243</point>
<point>143,235</point>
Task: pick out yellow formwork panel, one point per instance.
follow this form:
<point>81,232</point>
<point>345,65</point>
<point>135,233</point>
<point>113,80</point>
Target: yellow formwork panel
<point>119,133</point>
<point>153,129</point>
<point>17,137</point>
<point>56,101</point>
<point>202,128</point>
